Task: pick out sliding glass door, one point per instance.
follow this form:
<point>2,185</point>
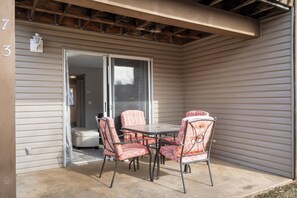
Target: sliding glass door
<point>129,80</point>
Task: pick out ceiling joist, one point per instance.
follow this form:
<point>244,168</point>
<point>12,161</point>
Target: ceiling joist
<point>34,5</point>
<point>66,8</point>
<point>190,15</point>
<point>151,19</point>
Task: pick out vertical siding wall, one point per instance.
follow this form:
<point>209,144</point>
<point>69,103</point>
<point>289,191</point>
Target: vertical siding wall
<point>39,87</point>
<point>247,85</point>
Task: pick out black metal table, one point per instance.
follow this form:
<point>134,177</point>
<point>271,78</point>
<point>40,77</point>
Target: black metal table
<point>155,130</point>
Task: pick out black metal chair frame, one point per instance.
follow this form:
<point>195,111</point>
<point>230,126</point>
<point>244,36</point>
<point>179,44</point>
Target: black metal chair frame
<point>113,150</point>
<point>208,148</point>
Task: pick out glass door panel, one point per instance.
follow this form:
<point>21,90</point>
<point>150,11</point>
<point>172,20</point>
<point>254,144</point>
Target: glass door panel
<point>129,87</point>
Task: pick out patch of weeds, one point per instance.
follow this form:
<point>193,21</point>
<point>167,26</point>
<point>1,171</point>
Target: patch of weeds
<point>286,191</point>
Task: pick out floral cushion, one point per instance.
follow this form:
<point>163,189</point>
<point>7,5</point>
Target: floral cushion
<point>195,133</point>
<point>189,114</point>
<point>133,150</point>
<point>110,140</point>
<point>134,117</point>
<point>197,113</point>
<point>170,153</point>
<point>130,118</point>
<point>110,136</point>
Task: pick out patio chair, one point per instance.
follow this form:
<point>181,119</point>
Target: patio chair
<point>196,113</point>
<point>135,117</point>
<point>188,114</point>
<point>120,151</point>
<point>193,143</point>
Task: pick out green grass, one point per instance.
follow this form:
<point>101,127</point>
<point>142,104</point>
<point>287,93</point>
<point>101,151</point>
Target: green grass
<point>287,191</point>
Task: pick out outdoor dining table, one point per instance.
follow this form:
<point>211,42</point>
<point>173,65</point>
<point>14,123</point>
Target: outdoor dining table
<point>156,131</point>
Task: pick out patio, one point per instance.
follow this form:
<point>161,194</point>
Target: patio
<point>230,180</point>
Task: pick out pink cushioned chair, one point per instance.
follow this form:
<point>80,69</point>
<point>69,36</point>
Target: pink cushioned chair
<point>193,143</point>
<point>188,114</point>
<point>197,113</point>
<point>119,150</point>
<point>131,118</point>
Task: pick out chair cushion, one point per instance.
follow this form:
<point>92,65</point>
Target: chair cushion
<point>170,152</point>
<point>133,150</point>
<point>111,136</point>
<point>132,117</point>
<point>197,113</point>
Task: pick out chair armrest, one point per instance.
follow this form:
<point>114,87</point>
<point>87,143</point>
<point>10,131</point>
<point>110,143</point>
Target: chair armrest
<point>163,141</point>
<point>131,141</point>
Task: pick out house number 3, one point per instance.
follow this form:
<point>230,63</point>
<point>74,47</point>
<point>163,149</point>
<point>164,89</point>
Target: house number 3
<point>6,48</point>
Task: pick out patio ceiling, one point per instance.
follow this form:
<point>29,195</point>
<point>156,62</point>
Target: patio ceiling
<point>112,21</point>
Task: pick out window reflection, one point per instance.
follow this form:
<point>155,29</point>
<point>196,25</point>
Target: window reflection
<point>124,75</point>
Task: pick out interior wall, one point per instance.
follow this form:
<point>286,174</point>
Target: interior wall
<point>247,85</point>
<point>93,92</point>
<point>39,86</point>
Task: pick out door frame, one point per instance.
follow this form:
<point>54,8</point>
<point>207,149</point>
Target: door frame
<point>65,64</point>
<point>106,84</point>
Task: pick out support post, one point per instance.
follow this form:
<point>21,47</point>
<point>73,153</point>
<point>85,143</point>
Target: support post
<point>7,100</point>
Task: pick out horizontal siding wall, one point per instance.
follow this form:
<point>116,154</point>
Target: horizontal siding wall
<point>39,86</point>
<point>247,85</point>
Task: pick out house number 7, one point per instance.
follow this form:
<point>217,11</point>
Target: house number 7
<point>5,23</point>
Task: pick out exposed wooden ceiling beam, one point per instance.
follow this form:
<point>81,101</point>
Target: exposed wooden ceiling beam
<point>190,15</point>
<point>117,19</point>
<point>34,4</point>
<point>243,4</point>
<point>178,31</point>
<point>214,2</point>
<point>66,9</point>
<point>258,11</point>
<point>103,21</point>
<point>144,24</point>
<point>279,4</point>
<point>88,21</point>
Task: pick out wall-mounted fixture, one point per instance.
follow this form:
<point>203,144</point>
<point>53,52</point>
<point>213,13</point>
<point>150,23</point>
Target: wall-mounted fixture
<point>36,43</point>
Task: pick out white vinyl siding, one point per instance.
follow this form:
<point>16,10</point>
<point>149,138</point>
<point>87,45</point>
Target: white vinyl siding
<point>247,84</point>
<point>39,86</point>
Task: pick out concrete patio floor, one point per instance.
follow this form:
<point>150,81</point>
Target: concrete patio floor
<point>81,181</point>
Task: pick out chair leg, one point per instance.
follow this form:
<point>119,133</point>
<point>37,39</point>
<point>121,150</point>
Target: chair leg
<point>182,176</point>
<point>153,171</point>
<point>132,161</point>
<point>208,164</point>
<point>137,163</point>
<point>102,166</point>
<point>158,166</point>
<point>150,168</point>
<point>115,169</point>
<point>187,168</point>
<point>134,164</point>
